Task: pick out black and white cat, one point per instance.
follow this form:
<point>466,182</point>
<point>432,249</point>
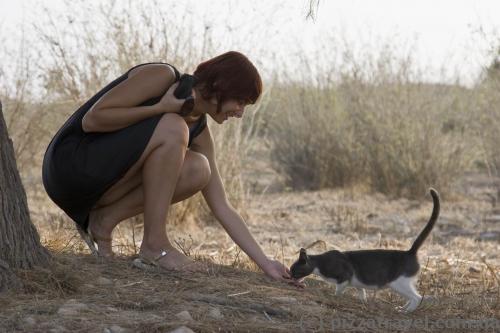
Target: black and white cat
<point>370,269</point>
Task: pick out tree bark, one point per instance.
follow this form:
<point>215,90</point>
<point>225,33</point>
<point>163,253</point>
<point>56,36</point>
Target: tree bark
<point>19,240</point>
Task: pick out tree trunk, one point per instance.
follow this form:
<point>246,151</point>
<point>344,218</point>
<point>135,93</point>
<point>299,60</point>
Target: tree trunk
<point>19,241</point>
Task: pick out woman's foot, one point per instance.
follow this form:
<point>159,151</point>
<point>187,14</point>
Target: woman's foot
<point>171,259</point>
<point>100,234</point>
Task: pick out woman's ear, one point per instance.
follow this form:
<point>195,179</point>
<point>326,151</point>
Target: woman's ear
<point>213,100</point>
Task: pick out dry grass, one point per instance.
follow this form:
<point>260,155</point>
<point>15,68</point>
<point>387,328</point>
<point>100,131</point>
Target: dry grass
<point>464,282</point>
<point>487,109</point>
<point>378,126</point>
<point>248,302</point>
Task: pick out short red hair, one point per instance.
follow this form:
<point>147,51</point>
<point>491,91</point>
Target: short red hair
<point>229,76</point>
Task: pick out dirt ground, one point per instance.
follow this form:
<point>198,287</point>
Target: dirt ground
<point>460,270</point>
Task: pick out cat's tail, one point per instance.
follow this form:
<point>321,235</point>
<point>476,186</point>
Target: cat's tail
<point>427,230</point>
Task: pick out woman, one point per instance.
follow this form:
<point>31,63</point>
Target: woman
<point>127,151</point>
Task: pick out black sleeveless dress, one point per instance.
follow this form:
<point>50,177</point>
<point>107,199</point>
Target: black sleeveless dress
<point>79,167</point>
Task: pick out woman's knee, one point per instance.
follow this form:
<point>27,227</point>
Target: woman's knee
<point>198,169</point>
<point>172,130</point>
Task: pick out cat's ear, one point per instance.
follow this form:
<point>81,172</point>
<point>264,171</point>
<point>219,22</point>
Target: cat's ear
<point>303,255</point>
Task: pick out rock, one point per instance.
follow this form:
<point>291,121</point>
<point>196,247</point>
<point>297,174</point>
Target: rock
<point>72,308</point>
<point>473,269</point>
<point>184,315</point>
<point>492,219</point>
<point>285,299</point>
<point>29,321</point>
<point>102,281</point>
<point>182,329</point>
<point>116,329</point>
<point>215,313</point>
<point>489,236</point>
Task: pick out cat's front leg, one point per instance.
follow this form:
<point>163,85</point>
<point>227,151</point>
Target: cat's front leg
<point>340,288</point>
<point>362,295</point>
<point>405,287</point>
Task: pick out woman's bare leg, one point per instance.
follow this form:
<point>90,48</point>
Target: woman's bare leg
<point>130,196</point>
<point>129,199</point>
<point>195,175</point>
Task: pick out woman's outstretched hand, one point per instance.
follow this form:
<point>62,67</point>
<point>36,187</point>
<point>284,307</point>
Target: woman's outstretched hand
<point>277,271</point>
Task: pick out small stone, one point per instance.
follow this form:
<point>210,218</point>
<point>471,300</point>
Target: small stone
<point>285,299</point>
<point>492,218</point>
<point>489,236</point>
<point>215,313</point>
<point>182,329</point>
<point>474,270</point>
<point>184,315</point>
<point>102,281</point>
<point>29,321</point>
<point>58,329</point>
<point>72,308</point>
<point>117,329</point>
<point>153,318</point>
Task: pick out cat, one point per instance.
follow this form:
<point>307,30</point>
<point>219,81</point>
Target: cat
<point>371,269</point>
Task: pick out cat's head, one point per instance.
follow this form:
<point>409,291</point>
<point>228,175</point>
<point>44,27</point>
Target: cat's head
<point>302,267</point>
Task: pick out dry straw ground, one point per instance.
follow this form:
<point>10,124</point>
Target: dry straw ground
<point>80,293</point>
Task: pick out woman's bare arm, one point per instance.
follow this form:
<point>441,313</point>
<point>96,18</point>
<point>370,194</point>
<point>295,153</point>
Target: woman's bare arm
<point>230,220</point>
<point>216,199</point>
<point>118,107</point>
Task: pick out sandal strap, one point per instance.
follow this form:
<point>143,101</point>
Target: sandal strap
<point>143,262</point>
<point>162,254</point>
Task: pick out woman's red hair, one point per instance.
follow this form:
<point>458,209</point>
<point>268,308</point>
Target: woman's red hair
<point>229,76</point>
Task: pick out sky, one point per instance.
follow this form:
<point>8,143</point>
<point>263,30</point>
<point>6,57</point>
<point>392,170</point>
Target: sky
<point>450,39</point>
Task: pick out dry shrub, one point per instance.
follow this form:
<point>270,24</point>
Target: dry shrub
<point>487,109</point>
<point>412,135</point>
<point>373,123</point>
<point>311,140</point>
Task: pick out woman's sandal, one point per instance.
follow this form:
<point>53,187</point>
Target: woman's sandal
<point>153,265</point>
<point>91,240</point>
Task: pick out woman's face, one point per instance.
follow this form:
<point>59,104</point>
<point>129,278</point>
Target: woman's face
<point>230,108</point>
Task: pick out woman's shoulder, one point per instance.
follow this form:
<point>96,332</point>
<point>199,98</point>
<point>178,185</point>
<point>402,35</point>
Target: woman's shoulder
<point>154,67</point>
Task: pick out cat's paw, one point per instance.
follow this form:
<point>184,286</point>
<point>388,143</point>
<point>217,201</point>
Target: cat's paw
<point>404,308</point>
<point>400,309</point>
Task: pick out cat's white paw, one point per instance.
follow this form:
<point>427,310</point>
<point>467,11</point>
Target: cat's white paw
<point>402,309</point>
